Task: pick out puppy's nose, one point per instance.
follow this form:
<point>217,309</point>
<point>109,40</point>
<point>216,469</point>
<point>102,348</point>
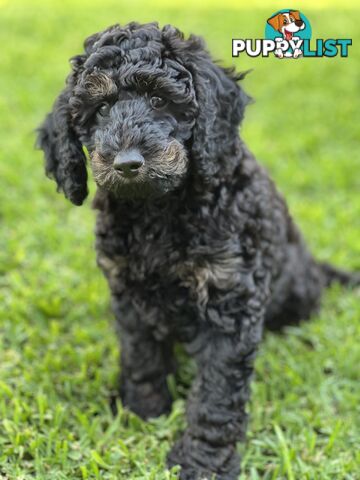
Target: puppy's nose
<point>299,23</point>
<point>128,162</point>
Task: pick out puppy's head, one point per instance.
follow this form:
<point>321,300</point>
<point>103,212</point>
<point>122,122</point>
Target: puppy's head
<point>287,23</point>
<point>151,109</point>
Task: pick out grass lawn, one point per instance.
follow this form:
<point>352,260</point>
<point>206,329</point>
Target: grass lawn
<point>58,352</point>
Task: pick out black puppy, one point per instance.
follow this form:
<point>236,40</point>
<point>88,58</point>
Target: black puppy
<point>195,241</point>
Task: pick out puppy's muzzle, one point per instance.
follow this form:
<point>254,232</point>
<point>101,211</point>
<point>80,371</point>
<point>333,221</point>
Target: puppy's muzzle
<point>128,163</point>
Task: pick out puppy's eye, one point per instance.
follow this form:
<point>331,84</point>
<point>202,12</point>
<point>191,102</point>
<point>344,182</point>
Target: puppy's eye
<point>157,103</point>
<point>104,109</point>
<point>285,21</point>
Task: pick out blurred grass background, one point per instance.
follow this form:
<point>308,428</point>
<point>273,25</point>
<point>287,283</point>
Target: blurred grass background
<point>58,353</point>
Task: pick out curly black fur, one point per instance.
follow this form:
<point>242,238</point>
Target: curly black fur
<point>197,245</point>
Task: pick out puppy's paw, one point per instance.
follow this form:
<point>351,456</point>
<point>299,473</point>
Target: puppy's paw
<point>201,461</point>
<point>279,53</point>
<point>297,53</point>
<point>146,399</point>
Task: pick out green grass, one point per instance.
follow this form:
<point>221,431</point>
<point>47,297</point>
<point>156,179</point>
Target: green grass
<point>58,352</point>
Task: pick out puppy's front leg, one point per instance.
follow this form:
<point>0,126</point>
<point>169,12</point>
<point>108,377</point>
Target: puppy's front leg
<point>145,364</point>
<point>216,407</point>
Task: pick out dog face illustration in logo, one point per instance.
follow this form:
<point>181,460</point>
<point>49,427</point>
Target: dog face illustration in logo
<point>287,23</point>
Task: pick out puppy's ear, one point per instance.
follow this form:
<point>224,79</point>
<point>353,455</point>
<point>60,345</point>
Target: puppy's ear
<point>64,157</point>
<point>275,22</point>
<point>295,14</point>
<point>221,103</point>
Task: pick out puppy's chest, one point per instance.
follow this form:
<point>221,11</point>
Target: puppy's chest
<point>140,252</point>
<point>166,263</point>
<point>152,257</point>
